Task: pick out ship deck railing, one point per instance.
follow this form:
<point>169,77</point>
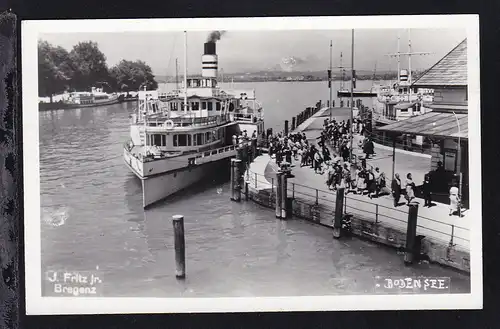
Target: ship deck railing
<point>165,155</point>
<point>203,121</point>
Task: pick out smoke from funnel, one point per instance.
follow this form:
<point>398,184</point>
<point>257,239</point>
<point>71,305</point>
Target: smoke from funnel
<point>214,36</point>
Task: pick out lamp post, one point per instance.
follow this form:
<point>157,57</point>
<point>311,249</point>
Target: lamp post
<point>459,161</point>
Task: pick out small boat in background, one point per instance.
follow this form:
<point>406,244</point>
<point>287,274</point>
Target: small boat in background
<point>80,99</point>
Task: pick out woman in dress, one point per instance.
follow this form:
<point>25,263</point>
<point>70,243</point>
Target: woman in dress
<point>410,188</point>
<point>454,199</point>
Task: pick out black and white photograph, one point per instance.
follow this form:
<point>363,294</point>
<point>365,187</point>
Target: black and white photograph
<point>252,164</point>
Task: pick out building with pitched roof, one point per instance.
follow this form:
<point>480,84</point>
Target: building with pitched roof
<point>446,126</point>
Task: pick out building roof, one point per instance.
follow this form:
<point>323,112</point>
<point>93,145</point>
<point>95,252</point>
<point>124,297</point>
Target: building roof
<point>451,70</point>
<point>432,124</point>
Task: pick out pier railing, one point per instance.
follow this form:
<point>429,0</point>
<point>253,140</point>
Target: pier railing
<point>323,203</point>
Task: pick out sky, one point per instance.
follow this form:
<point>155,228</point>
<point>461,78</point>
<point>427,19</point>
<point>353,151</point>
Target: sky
<point>246,51</point>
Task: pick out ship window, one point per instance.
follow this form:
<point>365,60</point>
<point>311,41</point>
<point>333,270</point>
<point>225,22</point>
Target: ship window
<point>158,140</point>
<point>199,139</point>
<point>217,106</point>
<point>195,106</point>
<point>208,137</point>
<point>210,106</point>
<point>189,142</point>
<point>163,140</point>
<point>203,105</point>
<point>173,106</point>
<point>180,140</point>
<point>400,90</point>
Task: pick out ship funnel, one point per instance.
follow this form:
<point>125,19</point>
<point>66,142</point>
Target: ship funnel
<point>209,61</point>
<point>403,76</point>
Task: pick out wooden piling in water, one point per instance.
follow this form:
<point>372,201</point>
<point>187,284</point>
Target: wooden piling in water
<point>278,197</point>
<point>283,195</point>
<point>286,127</point>
<point>293,123</point>
<point>179,246</point>
<point>339,208</point>
<point>411,233</point>
<point>236,179</point>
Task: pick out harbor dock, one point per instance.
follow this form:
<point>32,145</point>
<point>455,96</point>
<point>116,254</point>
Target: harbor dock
<point>444,239</point>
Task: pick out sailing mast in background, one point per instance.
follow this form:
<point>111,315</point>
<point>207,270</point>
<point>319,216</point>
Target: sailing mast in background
<point>185,72</point>
<point>176,75</point>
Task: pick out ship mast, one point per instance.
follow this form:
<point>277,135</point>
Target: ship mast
<point>352,92</point>
<point>409,65</point>
<point>176,75</point>
<point>399,59</point>
<point>330,82</point>
<point>409,54</point>
<point>185,73</point>
<point>343,73</point>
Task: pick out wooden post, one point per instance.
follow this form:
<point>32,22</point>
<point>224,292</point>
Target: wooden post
<point>278,202</point>
<point>333,103</point>
<point>179,246</point>
<point>339,205</point>
<point>286,127</point>
<point>236,180</point>
<point>293,123</point>
<point>411,233</point>
<point>284,195</point>
<point>246,191</point>
<point>232,179</point>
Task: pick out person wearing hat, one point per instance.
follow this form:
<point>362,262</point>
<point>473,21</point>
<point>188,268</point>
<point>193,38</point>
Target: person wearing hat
<point>396,189</point>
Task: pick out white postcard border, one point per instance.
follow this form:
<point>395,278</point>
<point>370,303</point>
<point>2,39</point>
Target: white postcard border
<point>35,304</point>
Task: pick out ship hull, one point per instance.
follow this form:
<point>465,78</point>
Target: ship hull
<point>158,187</point>
<point>67,106</point>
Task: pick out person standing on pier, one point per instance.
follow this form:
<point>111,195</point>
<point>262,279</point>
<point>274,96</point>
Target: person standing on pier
<point>454,198</point>
<point>317,162</point>
<point>410,188</point>
<point>396,189</point>
<point>426,189</point>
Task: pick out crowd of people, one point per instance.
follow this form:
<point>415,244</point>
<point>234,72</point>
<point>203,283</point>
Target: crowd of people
<point>331,155</point>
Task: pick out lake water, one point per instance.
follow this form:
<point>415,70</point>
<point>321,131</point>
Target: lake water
<point>92,218</point>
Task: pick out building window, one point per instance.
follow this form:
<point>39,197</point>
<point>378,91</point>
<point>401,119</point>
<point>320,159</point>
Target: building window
<point>210,106</point>
<point>203,105</point>
<point>217,106</point>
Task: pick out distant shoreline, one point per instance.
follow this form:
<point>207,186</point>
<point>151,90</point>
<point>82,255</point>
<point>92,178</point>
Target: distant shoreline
<point>282,80</point>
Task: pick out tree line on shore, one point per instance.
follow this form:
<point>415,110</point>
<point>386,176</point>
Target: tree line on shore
<point>85,67</point>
